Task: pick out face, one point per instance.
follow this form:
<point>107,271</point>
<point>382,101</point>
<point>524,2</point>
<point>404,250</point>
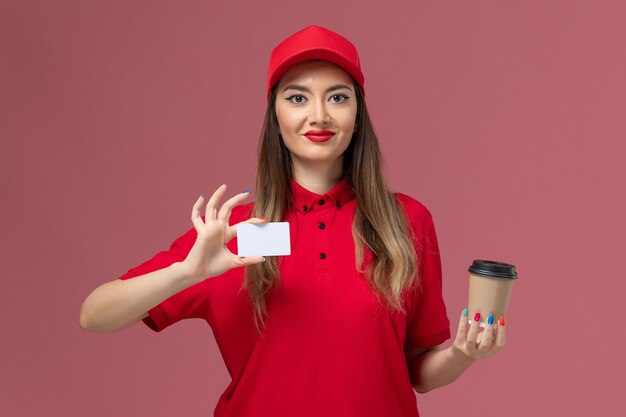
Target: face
<point>316,96</point>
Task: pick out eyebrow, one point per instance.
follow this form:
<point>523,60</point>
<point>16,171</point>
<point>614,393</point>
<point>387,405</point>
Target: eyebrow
<point>302,88</point>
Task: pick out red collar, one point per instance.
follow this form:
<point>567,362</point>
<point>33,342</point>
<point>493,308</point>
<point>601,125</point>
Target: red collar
<point>306,201</point>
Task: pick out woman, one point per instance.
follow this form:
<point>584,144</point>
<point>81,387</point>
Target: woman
<point>349,323</point>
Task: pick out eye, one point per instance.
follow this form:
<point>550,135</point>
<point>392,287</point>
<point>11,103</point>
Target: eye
<point>343,96</point>
<point>296,96</point>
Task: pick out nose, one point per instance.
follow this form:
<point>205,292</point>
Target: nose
<point>319,114</point>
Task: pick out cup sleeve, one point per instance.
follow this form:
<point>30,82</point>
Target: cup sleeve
<point>188,303</point>
<point>427,319</point>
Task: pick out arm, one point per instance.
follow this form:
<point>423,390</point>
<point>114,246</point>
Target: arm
<point>118,304</point>
<point>199,254</point>
<point>433,368</point>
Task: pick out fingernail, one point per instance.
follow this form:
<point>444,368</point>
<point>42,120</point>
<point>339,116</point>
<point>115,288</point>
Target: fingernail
<point>246,191</point>
<point>490,319</point>
<point>465,312</point>
<point>501,321</point>
<point>201,196</point>
<point>262,218</point>
<point>263,258</point>
<point>476,316</point>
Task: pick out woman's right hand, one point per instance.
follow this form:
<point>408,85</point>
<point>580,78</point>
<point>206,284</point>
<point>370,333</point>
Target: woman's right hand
<point>209,255</point>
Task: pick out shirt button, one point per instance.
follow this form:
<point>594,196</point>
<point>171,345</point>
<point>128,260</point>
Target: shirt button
<point>321,202</point>
<point>304,208</point>
<point>323,255</point>
<point>322,226</point>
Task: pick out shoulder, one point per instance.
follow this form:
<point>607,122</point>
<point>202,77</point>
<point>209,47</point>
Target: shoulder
<point>413,208</point>
<point>419,217</point>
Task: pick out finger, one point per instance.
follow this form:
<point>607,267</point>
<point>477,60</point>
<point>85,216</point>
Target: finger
<point>472,334</point>
<point>500,333</point>
<point>486,340</point>
<point>211,211</point>
<point>461,333</point>
<point>195,214</point>
<point>227,207</point>
<point>247,260</point>
<point>252,220</point>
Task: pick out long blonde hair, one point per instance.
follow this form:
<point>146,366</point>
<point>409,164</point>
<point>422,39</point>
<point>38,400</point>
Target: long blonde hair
<point>379,221</point>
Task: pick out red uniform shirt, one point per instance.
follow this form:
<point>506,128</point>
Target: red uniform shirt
<point>329,349</point>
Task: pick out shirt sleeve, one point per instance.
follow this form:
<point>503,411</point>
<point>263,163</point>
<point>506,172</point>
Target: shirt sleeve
<point>427,319</point>
<point>188,303</point>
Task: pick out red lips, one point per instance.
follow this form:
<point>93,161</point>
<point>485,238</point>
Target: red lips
<point>319,135</point>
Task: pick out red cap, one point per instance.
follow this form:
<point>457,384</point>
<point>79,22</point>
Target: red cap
<point>314,42</point>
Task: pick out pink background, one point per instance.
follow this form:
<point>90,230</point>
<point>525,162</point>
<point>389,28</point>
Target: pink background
<point>506,119</point>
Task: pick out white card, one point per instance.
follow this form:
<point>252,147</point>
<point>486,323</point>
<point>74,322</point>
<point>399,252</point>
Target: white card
<point>267,239</point>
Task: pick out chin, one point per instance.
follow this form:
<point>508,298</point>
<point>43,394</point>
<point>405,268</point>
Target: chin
<point>316,159</point>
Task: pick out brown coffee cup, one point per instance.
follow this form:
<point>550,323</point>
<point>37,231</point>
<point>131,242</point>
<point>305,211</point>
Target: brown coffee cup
<point>490,287</point>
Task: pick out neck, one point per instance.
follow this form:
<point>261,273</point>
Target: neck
<point>318,178</point>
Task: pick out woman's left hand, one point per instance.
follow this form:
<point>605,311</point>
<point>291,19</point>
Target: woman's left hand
<point>472,344</point>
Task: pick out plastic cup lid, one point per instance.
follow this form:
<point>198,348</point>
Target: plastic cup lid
<point>493,269</point>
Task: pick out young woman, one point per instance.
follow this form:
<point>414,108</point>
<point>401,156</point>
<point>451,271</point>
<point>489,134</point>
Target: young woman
<point>350,323</point>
